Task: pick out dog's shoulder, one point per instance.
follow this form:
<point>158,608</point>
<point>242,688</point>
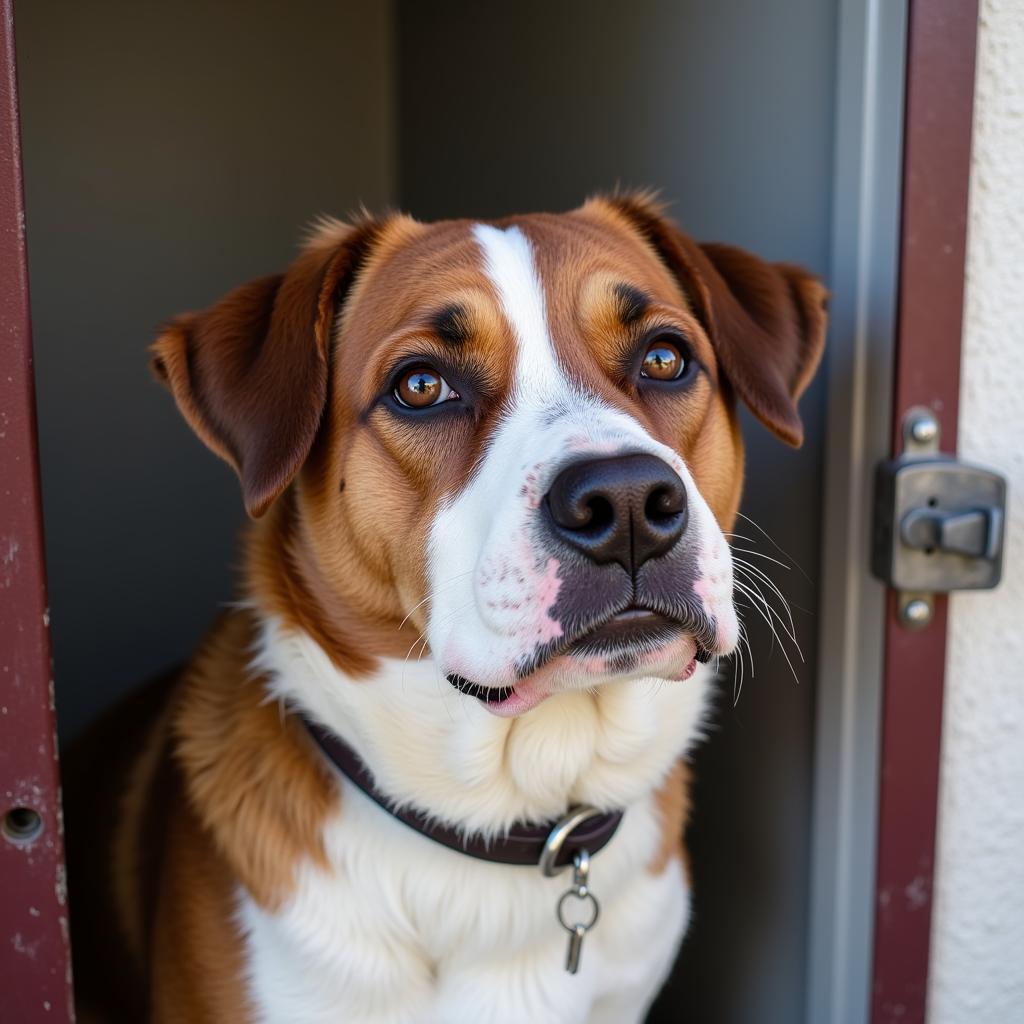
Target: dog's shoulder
<point>249,771</point>
<point>212,787</point>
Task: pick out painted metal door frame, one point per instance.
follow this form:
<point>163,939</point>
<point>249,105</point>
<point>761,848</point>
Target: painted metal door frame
<point>35,966</point>
<point>904,114</point>
<point>941,46</point>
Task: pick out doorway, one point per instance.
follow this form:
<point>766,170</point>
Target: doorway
<point>144,200</point>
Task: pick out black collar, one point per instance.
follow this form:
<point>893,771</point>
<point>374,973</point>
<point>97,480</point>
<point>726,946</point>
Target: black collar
<point>521,844</point>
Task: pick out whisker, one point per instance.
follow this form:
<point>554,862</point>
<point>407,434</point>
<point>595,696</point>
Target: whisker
<point>761,554</point>
<point>766,612</point>
<point>750,649</point>
<point>790,605</point>
<point>774,544</point>
<point>738,669</point>
<point>435,591</point>
<point>754,578</point>
<point>770,608</point>
<point>421,641</point>
<point>753,590</point>
<point>748,569</point>
<point>730,537</point>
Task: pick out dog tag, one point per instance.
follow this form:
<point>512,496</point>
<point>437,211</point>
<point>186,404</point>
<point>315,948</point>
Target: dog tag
<point>578,892</point>
<point>572,958</point>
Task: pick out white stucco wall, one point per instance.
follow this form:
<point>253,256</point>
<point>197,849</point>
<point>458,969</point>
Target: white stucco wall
<point>977,972</point>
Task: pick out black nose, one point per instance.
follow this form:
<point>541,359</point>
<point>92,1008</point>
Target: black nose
<point>626,509</point>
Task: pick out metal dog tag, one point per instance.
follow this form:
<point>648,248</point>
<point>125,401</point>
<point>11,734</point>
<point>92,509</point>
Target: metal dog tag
<point>572,959</point>
<point>577,893</point>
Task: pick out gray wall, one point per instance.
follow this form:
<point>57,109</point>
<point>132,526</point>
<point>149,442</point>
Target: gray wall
<point>728,107</point>
<point>172,150</point>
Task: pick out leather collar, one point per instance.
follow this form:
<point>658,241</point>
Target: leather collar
<point>521,844</point>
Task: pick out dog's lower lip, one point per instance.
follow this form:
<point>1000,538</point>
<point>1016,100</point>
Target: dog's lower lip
<point>627,628</point>
<point>630,626</point>
<point>503,701</point>
<point>487,694</point>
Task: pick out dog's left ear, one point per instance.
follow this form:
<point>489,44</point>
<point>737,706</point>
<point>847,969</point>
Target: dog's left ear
<point>249,374</point>
<point>766,320</point>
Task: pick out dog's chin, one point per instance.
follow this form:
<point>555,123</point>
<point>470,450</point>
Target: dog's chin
<point>634,644</point>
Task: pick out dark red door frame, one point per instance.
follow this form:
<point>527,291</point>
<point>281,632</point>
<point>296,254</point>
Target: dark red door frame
<point>35,966</point>
<point>941,40</point>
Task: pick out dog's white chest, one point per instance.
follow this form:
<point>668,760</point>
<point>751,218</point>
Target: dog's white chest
<point>404,930</point>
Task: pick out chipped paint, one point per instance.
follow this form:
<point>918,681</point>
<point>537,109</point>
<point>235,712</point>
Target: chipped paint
<point>918,893</point>
<point>36,950</point>
<point>24,947</point>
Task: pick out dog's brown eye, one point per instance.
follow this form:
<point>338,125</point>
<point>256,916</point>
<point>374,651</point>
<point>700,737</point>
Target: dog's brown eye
<point>663,361</point>
<point>423,387</point>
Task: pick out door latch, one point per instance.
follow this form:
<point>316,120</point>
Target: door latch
<point>938,522</point>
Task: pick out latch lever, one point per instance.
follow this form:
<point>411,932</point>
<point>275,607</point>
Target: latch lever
<point>975,533</point>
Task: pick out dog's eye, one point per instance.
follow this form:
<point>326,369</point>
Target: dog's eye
<point>663,360</point>
<point>421,388</point>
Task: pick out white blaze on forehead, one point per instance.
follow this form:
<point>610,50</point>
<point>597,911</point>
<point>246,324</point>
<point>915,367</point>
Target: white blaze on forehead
<point>508,262</point>
<point>494,583</point>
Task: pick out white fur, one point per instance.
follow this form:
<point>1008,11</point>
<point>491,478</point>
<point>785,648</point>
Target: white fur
<point>398,928</point>
<point>508,262</point>
<point>402,929</point>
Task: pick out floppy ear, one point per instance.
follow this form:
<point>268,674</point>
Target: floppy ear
<point>766,320</point>
<point>249,374</point>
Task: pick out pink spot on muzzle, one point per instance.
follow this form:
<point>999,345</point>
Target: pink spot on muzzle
<point>547,595</point>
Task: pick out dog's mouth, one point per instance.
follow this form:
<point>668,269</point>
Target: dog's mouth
<point>632,627</point>
<point>617,642</point>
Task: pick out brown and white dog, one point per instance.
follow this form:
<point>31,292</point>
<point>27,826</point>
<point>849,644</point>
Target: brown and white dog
<point>490,467</point>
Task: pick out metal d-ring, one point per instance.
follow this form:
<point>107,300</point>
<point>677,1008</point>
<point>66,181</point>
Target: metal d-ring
<point>558,835</point>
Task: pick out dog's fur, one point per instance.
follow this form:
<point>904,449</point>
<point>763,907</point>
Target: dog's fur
<point>389,549</point>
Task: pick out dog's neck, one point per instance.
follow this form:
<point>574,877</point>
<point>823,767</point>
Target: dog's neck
<point>430,746</point>
<point>353,665</point>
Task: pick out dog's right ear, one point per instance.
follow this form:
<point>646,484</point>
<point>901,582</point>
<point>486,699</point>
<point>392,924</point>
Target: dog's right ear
<point>250,373</point>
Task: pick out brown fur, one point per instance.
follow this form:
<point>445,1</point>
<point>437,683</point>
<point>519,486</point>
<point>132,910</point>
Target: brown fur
<point>224,790</point>
<point>283,378</point>
<point>258,790</point>
<point>673,801</point>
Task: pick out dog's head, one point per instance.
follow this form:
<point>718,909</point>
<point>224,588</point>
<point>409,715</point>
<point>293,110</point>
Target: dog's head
<point>521,437</point>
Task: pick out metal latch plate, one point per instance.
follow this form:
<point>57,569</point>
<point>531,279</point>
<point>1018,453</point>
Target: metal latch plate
<point>938,524</point>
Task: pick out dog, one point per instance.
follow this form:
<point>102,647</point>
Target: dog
<point>432,766</point>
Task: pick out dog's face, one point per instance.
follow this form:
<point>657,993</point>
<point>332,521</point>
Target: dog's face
<point>521,438</point>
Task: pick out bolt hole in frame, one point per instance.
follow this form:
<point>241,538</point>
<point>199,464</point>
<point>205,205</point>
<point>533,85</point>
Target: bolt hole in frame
<point>22,825</point>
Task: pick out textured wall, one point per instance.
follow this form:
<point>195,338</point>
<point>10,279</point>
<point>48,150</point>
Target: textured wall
<point>978,930</point>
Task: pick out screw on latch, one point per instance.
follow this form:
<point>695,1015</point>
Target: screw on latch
<point>920,432</point>
<point>917,611</point>
<point>924,429</point>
